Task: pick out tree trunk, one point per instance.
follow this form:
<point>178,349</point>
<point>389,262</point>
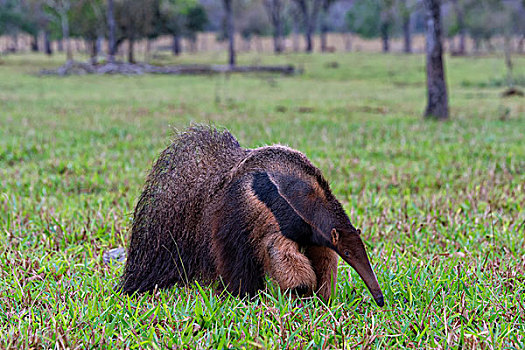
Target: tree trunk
<point>147,52</point>
<point>309,43</point>
<point>204,43</point>
<point>93,51</point>
<point>111,31</point>
<point>437,103</point>
<point>324,26</point>
<point>100,40</point>
<point>274,11</point>
<point>348,42</point>
<point>384,36</point>
<point>490,47</point>
<point>309,22</point>
<point>462,42</point>
<point>47,44</point>
<point>118,43</point>
<point>230,31</point>
<point>278,35</point>
<point>461,28</point>
<point>277,43</point>
<point>131,58</point>
<point>175,45</point>
<point>322,37</point>
<point>407,35</point>
<point>405,11</point>
<point>65,35</point>
<point>34,43</point>
<point>295,37</point>
<point>14,46</point>
<point>508,59</point>
<point>60,45</point>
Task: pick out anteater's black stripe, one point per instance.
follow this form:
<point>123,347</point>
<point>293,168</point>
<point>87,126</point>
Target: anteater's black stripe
<point>292,225</point>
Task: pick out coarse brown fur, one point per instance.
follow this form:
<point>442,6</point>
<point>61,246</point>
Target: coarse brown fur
<point>211,209</point>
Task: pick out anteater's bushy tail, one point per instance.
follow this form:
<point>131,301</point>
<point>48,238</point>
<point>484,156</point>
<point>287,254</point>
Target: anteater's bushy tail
<point>166,245</point>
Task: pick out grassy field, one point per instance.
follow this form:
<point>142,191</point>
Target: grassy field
<point>441,205</point>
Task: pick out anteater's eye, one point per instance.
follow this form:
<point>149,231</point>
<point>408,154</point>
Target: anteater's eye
<point>347,253</point>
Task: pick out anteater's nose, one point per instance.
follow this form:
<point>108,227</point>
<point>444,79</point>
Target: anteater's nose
<point>380,301</point>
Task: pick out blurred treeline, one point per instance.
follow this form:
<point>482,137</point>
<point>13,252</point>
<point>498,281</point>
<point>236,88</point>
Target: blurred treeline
<point>113,26</point>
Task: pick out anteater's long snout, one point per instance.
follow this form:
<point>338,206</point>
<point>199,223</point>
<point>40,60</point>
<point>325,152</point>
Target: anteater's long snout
<point>365,271</point>
<point>360,262</point>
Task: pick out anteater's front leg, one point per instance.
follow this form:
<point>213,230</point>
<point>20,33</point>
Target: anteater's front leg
<point>291,269</point>
<point>324,263</point>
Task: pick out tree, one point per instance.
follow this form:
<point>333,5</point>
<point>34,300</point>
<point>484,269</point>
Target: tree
<point>60,10</point>
<point>181,17</point>
<point>251,23</point>
<point>363,18</point>
<point>484,19</point>
<point>135,20</point>
<point>371,19</point>
<point>230,31</point>
<point>42,21</point>
<point>309,10</point>
<point>437,100</point>
<point>460,26</point>
<point>386,17</point>
<point>15,16</point>
<point>405,11</point>
<point>510,19</point>
<point>324,24</point>
<point>275,11</point>
<point>9,16</point>
<point>33,16</point>
<point>519,27</point>
<point>295,16</point>
<point>110,18</point>
<point>171,16</point>
<point>88,16</point>
<point>196,20</point>
<point>47,43</point>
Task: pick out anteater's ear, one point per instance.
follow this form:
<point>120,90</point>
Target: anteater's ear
<point>302,196</point>
<point>335,236</point>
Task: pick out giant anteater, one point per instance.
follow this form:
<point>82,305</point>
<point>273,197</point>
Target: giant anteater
<point>211,209</point>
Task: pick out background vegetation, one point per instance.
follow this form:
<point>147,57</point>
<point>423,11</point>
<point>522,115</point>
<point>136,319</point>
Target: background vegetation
<point>441,205</point>
<point>93,25</point>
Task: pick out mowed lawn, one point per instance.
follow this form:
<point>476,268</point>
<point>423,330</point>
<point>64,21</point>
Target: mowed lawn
<point>441,205</point>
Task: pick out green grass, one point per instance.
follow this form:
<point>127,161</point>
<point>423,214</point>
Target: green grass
<point>441,205</point>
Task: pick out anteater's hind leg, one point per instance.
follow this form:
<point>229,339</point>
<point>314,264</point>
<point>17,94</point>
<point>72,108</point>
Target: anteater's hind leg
<point>324,263</point>
<point>291,269</point>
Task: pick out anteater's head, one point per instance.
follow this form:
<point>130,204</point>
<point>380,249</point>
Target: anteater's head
<point>346,241</point>
<point>310,197</point>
